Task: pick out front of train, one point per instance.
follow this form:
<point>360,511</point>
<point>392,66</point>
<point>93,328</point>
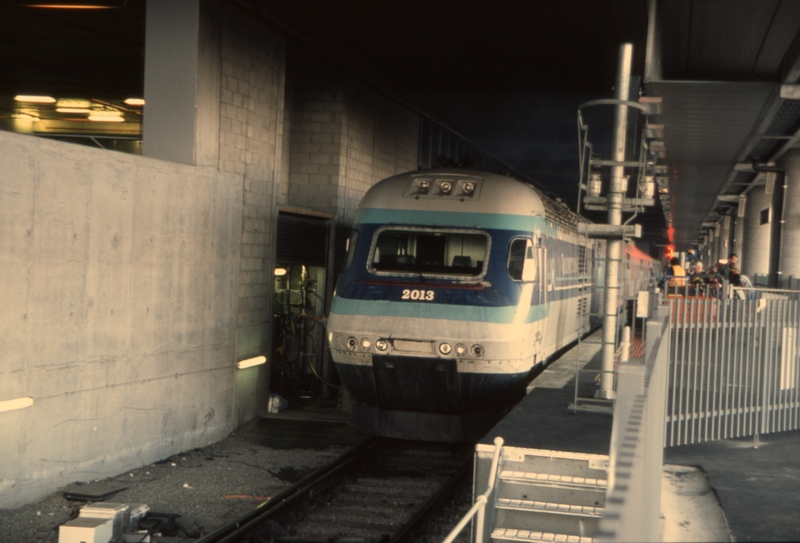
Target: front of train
<point>432,328</point>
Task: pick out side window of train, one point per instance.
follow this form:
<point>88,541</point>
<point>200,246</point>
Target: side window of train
<point>350,248</point>
<point>521,264</point>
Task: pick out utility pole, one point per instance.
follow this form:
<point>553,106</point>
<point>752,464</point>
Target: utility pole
<point>616,193</point>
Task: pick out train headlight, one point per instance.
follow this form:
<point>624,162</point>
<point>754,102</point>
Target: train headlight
<point>445,187</point>
<point>366,344</point>
<point>381,344</point>
<point>469,188</point>
<point>477,350</point>
<point>352,343</point>
<point>423,185</point>
<point>445,348</point>
<point>461,349</point>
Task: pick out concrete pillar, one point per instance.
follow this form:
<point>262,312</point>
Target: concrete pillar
<point>790,256</point>
<point>737,235</point>
<point>754,258</point>
<point>725,238</point>
<point>182,82</point>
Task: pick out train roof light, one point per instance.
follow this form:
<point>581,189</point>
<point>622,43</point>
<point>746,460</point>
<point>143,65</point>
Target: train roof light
<point>469,187</point>
<point>445,187</point>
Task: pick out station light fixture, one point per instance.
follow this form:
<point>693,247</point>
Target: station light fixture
<point>134,101</point>
<point>106,116</point>
<point>70,4</point>
<point>250,362</point>
<point>16,403</point>
<point>35,99</point>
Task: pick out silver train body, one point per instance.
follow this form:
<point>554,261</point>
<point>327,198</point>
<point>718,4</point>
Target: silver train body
<point>458,284</point>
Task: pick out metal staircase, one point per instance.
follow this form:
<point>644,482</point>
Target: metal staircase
<point>541,495</point>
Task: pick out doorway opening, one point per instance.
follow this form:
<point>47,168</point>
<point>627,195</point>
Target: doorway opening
<point>301,369</point>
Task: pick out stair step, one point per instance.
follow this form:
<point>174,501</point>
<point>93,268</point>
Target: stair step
<point>551,478</point>
<point>547,507</point>
<point>509,534</point>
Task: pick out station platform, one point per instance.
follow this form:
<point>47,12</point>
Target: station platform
<point>718,491</point>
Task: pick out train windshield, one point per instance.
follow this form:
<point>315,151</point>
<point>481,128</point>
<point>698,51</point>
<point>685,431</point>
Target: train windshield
<point>429,251</point>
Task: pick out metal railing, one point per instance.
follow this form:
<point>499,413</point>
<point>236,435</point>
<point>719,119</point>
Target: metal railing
<point>479,508</point>
<point>633,500</point>
<point>734,367</point>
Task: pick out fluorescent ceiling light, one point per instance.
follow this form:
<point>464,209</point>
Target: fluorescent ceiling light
<point>70,5</point>
<point>17,403</point>
<point>134,101</point>
<point>35,99</point>
<point>106,116</point>
<point>250,362</point>
<point>279,272</point>
<point>106,119</point>
<point>74,103</point>
<point>26,117</point>
<point>72,110</point>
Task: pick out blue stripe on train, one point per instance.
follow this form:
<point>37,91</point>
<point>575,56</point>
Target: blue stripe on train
<point>418,310</point>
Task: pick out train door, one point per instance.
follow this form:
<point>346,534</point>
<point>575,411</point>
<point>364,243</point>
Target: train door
<point>541,299</point>
<point>300,362</point>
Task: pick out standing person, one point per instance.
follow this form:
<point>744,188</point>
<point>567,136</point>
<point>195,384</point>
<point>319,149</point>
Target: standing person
<point>725,270</point>
<point>675,276</point>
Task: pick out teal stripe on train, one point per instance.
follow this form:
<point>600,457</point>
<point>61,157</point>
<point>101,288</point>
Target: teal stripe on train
<point>454,219</point>
<point>496,315</point>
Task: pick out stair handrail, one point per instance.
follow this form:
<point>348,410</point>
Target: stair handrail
<point>480,502</point>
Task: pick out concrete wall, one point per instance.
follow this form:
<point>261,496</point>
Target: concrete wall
<point>120,277</point>
<point>253,67</point>
<point>132,285</point>
<point>344,138</point>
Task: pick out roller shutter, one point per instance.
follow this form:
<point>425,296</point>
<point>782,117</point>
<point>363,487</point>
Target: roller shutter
<point>302,240</point>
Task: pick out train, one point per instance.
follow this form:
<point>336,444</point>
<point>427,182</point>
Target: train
<point>458,286</point>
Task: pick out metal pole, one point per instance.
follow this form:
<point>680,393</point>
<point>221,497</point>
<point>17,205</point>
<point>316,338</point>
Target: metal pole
<point>616,194</point>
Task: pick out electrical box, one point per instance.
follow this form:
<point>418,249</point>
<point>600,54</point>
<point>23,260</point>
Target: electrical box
<point>86,530</point>
<point>115,512</point>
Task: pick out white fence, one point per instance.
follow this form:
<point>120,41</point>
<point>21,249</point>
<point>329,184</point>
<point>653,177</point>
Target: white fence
<point>734,365</point>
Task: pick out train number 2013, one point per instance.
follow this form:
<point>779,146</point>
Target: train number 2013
<point>414,294</point>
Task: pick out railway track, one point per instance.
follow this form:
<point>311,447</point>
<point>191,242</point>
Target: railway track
<point>377,492</point>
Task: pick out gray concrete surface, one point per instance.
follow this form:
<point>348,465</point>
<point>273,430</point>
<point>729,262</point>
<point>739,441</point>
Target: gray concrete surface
<point>758,488</point>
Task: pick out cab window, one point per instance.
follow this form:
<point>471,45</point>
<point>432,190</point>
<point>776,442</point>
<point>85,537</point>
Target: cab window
<point>521,264</point>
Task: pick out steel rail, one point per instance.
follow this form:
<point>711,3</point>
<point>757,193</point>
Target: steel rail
<point>236,529</point>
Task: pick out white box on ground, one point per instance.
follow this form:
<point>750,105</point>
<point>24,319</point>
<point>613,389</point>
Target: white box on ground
<point>117,512</point>
<point>86,530</point>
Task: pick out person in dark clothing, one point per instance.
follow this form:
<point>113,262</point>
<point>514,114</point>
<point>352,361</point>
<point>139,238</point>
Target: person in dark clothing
<point>725,270</point>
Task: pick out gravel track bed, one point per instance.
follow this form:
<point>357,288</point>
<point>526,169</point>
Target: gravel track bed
<point>208,488</point>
